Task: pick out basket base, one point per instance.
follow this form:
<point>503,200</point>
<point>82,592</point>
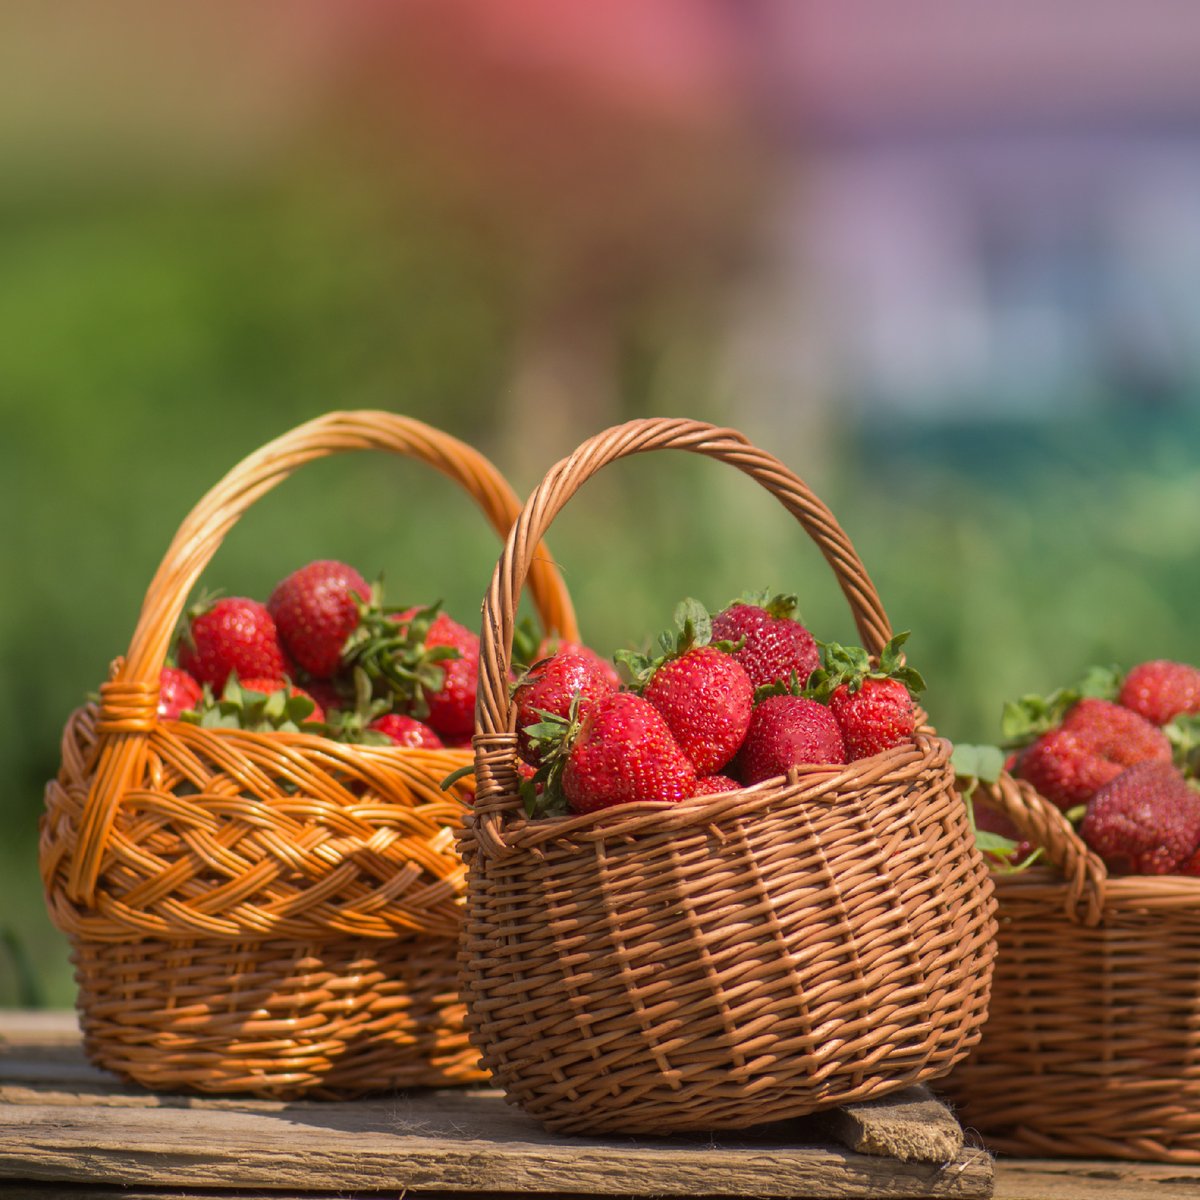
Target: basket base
<point>276,1019</point>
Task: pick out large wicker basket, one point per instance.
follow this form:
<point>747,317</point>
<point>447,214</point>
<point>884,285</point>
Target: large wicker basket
<point>733,959</point>
<point>1092,1045</point>
<point>270,913</point>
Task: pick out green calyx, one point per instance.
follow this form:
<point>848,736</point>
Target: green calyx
<point>352,725</point>
<point>553,737</point>
<point>851,665</point>
<point>245,708</point>
<point>774,604</point>
<point>1183,732</point>
<point>1025,720</point>
<point>693,628</point>
<point>394,657</point>
<point>525,643</point>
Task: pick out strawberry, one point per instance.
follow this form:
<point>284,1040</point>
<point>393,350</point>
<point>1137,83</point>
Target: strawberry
<point>551,646</point>
<point>550,686</point>
<point>407,731</point>
<point>177,691</point>
<point>232,634</point>
<point>788,731</point>
<point>315,610</point>
<point>711,784</point>
<point>624,753</point>
<point>701,690</point>
<point>1146,820</point>
<point>773,644</point>
<point>873,705</point>
<point>1160,690</point>
<point>988,820</point>
<point>1096,741</point>
<point>706,698</point>
<point>452,705</point>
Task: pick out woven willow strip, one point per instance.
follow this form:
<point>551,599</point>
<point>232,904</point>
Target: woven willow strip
<point>1092,1045</point>
<point>265,912</point>
<point>730,960</point>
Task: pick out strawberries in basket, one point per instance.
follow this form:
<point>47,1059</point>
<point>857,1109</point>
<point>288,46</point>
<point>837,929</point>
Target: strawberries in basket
<point>1119,755</point>
<point>726,702</point>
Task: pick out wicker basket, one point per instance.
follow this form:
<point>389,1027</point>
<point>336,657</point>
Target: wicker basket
<point>271,913</point>
<point>733,959</point>
<point>1092,1045</point>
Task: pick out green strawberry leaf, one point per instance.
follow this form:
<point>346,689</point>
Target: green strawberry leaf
<point>1101,683</point>
<point>1183,732</point>
<point>977,762</point>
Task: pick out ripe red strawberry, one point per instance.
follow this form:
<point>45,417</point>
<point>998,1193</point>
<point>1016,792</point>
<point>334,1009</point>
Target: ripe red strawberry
<point>234,634</point>
<point>315,610</point>
<point>1145,821</point>
<point>624,753</point>
<point>873,704</point>
<point>177,691</point>
<point>1160,690</point>
<point>451,705</point>
<point>551,646</point>
<point>1094,744</point>
<point>407,731</point>
<point>785,732</point>
<point>989,820</point>
<point>269,687</point>
<point>550,686</point>
<point>775,645</point>
<point>706,698</point>
<point>875,718</point>
<point>712,784</point>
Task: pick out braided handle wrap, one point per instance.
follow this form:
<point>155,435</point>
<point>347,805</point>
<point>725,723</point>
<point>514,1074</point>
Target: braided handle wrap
<point>129,700</point>
<point>1044,825</point>
<point>495,716</point>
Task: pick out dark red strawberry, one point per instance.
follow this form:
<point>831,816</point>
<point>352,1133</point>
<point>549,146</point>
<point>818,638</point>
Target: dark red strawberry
<point>775,646</point>
<point>452,706</point>
<point>407,731</point>
<point>989,820</point>
<point>551,685</point>
<point>1094,744</point>
<point>177,691</point>
<point>1160,690</point>
<point>876,717</point>
<point>316,609</point>
<point>233,634</point>
<point>706,698</point>
<point>624,753</point>
<point>872,702</point>
<point>1145,821</point>
<point>712,784</point>
<point>785,732</point>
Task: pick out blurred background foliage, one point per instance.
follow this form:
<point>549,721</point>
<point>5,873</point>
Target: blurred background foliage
<point>953,283</point>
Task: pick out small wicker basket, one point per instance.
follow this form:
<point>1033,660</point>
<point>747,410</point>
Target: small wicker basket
<point>733,959</point>
<point>1092,1045</point>
<point>270,913</point>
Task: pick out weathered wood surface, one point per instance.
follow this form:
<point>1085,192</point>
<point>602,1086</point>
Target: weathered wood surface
<point>63,1123</point>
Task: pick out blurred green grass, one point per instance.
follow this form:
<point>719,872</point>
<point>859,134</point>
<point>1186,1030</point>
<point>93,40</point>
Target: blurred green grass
<point>153,338</point>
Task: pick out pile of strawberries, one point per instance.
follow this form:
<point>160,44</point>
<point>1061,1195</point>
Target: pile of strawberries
<point>325,656</point>
<point>1118,755</point>
<point>730,701</point>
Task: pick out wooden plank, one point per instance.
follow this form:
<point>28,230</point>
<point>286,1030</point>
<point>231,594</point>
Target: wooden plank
<point>68,1125</point>
<point>911,1126</point>
<point>1098,1179</point>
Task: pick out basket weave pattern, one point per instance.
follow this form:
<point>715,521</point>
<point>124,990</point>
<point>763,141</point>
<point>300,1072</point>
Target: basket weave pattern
<point>730,960</point>
<point>1091,1048</point>
<point>276,912</point>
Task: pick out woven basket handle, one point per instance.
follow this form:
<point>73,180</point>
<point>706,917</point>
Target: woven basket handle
<point>495,716</point>
<point>129,700</point>
<point>1043,824</point>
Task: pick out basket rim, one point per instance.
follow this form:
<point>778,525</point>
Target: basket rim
<point>818,783</point>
